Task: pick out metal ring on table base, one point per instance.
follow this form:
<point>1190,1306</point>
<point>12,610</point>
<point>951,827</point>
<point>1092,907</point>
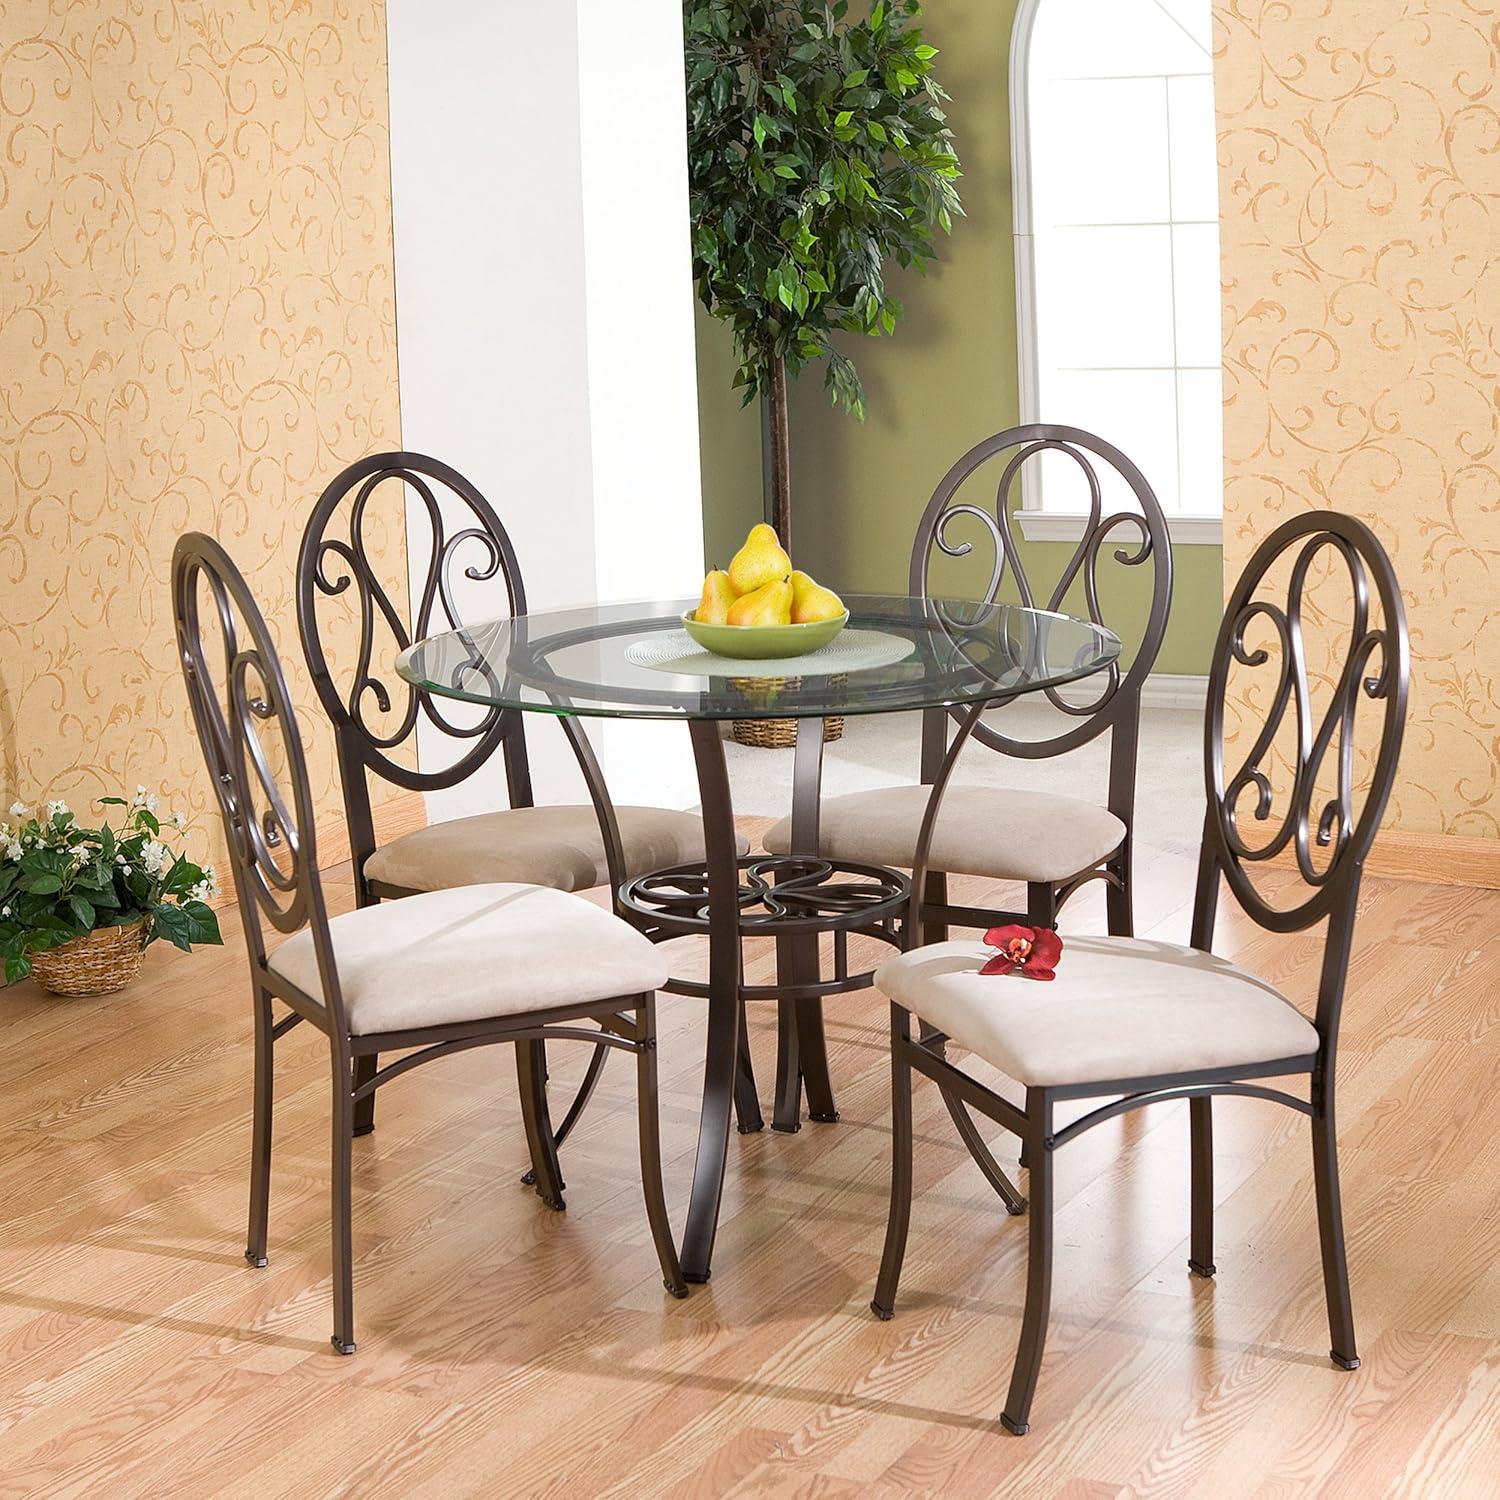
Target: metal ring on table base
<point>779,895</point>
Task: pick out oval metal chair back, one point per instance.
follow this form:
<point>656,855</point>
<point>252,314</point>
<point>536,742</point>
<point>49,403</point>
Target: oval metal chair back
<point>376,714</point>
<point>252,745</point>
<point>953,526</point>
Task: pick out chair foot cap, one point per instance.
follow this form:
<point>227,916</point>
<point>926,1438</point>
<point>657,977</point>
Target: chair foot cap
<point>360,1130</point>
<point>341,1347</point>
<point>1342,1362</point>
<point>1199,1269</point>
<point>1015,1210</point>
<point>528,1179</point>
<point>831,1118</point>
<point>1015,1429</point>
<point>885,1314</point>
<point>678,1289</point>
<point>791,1129</point>
<point>255,1260</point>
<point>754,1128</point>
<point>698,1278</point>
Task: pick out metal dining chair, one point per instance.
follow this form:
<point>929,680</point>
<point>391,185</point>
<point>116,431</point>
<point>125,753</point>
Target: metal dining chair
<point>1151,1021</point>
<point>1053,843</point>
<point>466,566</point>
<point>438,972</point>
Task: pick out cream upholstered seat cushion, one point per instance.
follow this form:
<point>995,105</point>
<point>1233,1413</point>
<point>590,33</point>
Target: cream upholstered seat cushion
<point>1119,1008</point>
<point>471,953</point>
<point>981,830</point>
<point>559,847</point>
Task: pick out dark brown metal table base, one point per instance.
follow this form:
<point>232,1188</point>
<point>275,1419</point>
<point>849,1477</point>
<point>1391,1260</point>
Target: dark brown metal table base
<point>795,898</point>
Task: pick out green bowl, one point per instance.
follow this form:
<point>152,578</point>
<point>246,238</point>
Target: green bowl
<point>763,642</point>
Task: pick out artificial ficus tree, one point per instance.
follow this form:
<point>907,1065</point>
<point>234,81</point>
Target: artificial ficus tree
<point>818,152</point>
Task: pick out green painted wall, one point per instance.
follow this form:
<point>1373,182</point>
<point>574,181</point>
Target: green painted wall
<point>729,447</point>
<point>947,379</point>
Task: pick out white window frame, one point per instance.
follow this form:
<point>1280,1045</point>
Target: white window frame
<point>1038,524</point>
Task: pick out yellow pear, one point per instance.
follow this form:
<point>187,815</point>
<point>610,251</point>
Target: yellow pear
<point>811,601</point>
<point>771,604</point>
<point>760,561</point>
<point>718,595</point>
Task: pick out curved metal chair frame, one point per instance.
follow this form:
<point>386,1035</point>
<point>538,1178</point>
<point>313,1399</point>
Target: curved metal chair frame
<point>1376,667</point>
<point>333,559</point>
<point>1136,539</point>
<point>269,824</point>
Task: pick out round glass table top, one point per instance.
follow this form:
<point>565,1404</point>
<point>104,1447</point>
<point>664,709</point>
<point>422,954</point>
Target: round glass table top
<point>636,661</point>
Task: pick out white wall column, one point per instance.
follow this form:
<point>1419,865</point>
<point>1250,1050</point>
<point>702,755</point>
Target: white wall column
<point>544,314</point>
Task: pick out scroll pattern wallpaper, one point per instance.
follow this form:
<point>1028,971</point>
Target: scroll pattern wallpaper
<point>197,330</point>
<point>1359,154</point>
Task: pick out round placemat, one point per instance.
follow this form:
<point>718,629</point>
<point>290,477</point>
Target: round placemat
<point>852,651</point>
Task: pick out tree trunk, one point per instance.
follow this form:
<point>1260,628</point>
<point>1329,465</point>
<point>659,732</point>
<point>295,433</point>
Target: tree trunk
<point>781,454</point>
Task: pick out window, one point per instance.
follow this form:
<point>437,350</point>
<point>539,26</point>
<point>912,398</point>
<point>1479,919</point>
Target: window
<point>1117,249</point>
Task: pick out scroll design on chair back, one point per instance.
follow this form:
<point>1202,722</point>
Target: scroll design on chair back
<point>335,559</point>
<point>1133,539</point>
<point>248,731</point>
<point>1373,666</point>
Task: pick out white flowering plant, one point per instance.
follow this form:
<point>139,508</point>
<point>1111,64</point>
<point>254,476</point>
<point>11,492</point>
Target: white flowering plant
<point>60,880</point>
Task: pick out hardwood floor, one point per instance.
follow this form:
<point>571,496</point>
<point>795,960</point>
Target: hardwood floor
<point>507,1350</point>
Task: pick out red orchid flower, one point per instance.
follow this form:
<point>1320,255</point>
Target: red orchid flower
<point>1031,952</point>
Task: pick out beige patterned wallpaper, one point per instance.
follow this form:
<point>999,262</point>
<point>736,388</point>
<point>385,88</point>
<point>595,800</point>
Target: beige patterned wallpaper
<point>1359,150</point>
<point>197,330</point>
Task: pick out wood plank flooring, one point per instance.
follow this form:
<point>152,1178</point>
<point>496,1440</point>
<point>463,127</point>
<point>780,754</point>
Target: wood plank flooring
<point>506,1350</point>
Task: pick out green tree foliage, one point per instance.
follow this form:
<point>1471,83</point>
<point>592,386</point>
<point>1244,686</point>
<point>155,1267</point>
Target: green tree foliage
<point>818,151</point>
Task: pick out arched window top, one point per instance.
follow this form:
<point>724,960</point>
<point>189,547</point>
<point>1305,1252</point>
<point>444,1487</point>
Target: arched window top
<point>1117,244</point>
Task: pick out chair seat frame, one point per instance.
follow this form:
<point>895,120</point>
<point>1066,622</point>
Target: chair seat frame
<point>625,1023</point>
<point>1033,1124</point>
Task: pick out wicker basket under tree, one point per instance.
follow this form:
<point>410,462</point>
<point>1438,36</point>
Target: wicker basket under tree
<point>817,153</point>
<point>79,906</point>
<point>777,734</point>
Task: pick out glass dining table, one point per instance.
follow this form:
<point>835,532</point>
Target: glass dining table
<point>950,658</point>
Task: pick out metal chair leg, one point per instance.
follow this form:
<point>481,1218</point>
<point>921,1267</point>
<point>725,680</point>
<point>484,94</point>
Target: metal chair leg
<point>1016,1416</point>
<point>649,1113</point>
<point>935,893</point>
<point>575,1110</point>
<point>1201,1123</point>
<point>547,1174</point>
<point>1119,901</point>
<point>1041,911</point>
<point>994,1174</point>
<point>343,1211</point>
<point>260,1133</point>
<point>364,1109</point>
<point>1343,1351</point>
<point>884,1303</point>
<point>1041,904</point>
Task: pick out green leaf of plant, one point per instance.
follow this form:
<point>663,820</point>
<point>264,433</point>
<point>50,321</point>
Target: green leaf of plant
<point>173,923</point>
<point>203,924</point>
<point>83,912</point>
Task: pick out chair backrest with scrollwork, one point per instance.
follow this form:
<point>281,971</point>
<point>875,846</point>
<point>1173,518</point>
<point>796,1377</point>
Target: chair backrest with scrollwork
<point>1313,632</point>
<point>253,750</point>
<point>1133,537</point>
<point>376,714</point>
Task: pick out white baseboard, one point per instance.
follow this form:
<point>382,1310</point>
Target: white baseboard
<point>1161,690</point>
<point>1166,690</point>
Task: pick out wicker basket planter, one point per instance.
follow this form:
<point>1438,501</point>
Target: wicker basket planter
<point>99,964</point>
<point>777,734</point>
<point>780,734</point>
